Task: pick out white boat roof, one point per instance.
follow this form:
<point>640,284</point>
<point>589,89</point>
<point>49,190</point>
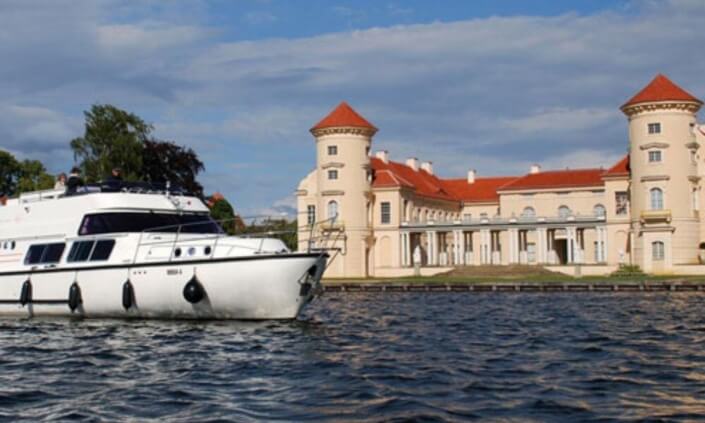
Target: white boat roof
<point>51,213</point>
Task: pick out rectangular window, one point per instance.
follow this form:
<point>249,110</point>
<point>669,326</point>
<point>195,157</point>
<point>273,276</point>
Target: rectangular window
<point>91,250</point>
<point>386,209</point>
<point>622,203</point>
<point>45,253</point>
<point>102,249</point>
<point>34,255</point>
<point>654,128</point>
<point>694,200</point>
<point>654,156</point>
<point>657,250</point>
<point>332,174</point>
<point>53,253</point>
<point>332,150</point>
<point>80,251</point>
<point>104,223</point>
<point>467,217</point>
<point>311,214</point>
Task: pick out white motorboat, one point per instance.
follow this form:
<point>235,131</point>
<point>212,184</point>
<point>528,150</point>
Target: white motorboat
<point>143,253</point>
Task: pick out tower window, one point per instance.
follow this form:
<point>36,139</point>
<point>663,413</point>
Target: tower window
<point>333,174</point>
<point>656,198</point>
<point>332,209</point>
<point>621,199</point>
<point>655,128</point>
<point>332,150</point>
<point>657,250</point>
<point>386,210</point>
<point>310,214</point>
<point>655,156</point>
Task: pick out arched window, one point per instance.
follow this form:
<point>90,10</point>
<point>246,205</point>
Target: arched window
<point>564,211</point>
<point>528,212</point>
<point>599,210</point>
<point>332,209</point>
<point>656,198</point>
<point>657,250</point>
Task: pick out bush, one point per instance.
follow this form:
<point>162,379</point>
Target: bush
<point>627,270</point>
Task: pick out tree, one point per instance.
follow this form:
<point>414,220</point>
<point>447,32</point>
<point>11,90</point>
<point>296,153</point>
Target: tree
<point>9,170</point>
<point>32,176</point>
<point>164,161</point>
<point>112,138</point>
<point>223,212</point>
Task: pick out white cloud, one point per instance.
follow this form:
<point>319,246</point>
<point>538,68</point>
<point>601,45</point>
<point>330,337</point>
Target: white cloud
<point>496,94</point>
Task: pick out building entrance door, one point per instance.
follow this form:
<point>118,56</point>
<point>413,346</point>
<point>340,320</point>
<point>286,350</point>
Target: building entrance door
<point>561,246</point>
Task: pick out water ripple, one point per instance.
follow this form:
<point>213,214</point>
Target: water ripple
<point>372,357</point>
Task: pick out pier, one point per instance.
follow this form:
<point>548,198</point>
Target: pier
<point>655,286</point>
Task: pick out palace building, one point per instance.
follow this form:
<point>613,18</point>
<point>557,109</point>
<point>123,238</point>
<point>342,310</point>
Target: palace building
<point>376,214</point>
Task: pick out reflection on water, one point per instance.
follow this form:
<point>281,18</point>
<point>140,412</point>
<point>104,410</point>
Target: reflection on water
<point>437,357</point>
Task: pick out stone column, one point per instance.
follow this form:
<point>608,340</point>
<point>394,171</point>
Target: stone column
<point>513,245</point>
<point>429,248</point>
<point>569,241</point>
<point>541,246</point>
<point>485,246</point>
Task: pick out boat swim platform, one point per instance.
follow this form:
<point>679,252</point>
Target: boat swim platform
<point>542,287</point>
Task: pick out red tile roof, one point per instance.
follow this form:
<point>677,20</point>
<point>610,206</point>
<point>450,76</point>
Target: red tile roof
<point>343,115</point>
<point>482,190</point>
<point>557,179</point>
<point>661,89</point>
<point>621,168</point>
<point>392,174</point>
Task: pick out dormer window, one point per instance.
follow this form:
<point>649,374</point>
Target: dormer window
<point>655,156</point>
<point>332,150</point>
<point>654,128</point>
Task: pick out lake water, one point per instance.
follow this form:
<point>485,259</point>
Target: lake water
<point>373,357</point>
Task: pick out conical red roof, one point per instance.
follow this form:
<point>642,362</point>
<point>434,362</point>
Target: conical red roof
<point>343,115</point>
<point>661,89</point>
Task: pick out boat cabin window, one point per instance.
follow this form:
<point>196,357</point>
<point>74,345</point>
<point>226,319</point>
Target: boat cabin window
<point>45,253</point>
<point>105,223</point>
<point>91,250</point>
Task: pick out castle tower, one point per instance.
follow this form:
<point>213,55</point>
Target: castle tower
<point>664,178</point>
<point>343,178</point>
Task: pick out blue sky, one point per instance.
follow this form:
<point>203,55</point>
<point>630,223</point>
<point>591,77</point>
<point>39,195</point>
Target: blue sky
<point>490,85</point>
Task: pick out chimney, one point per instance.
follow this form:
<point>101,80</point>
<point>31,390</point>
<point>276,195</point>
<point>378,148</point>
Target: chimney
<point>534,169</point>
<point>383,155</point>
<point>471,176</point>
<point>428,167</point>
<point>413,163</point>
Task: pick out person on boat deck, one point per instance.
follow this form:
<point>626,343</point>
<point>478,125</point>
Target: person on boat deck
<point>60,181</point>
<point>74,181</point>
<point>114,180</point>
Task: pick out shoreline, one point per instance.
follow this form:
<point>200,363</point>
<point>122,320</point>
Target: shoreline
<point>645,284</point>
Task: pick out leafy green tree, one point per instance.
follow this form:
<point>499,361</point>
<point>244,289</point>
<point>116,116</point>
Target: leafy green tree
<point>112,138</point>
<point>9,170</point>
<point>223,212</point>
<point>33,177</point>
<point>164,161</point>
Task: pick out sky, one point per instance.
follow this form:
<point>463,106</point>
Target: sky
<point>489,85</point>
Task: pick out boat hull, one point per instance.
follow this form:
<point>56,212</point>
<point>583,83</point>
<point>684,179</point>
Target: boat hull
<point>251,288</point>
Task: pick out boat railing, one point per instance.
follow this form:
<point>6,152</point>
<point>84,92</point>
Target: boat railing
<point>182,234</point>
<point>159,188</point>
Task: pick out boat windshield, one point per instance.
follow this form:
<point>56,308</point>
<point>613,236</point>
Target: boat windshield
<point>105,223</point>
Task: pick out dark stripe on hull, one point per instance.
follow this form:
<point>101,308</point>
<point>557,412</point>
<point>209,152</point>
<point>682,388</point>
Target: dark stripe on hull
<point>162,263</point>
